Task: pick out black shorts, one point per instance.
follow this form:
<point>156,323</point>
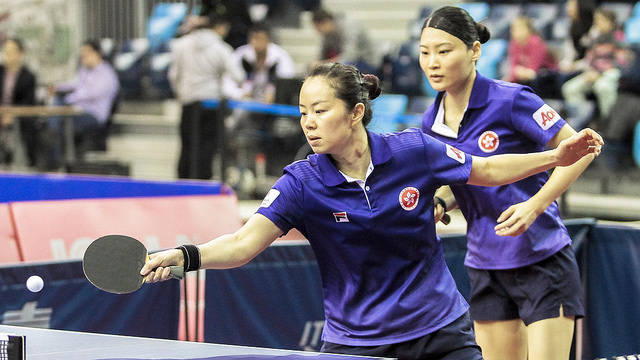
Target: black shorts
<point>530,293</point>
<point>455,341</point>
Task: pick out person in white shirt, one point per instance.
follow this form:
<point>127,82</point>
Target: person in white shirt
<point>200,61</point>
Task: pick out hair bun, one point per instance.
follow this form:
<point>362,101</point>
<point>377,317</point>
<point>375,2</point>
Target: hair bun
<point>373,85</point>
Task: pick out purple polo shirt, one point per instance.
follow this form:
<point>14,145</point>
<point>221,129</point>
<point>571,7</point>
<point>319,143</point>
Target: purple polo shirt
<point>382,266</point>
<point>502,118</point>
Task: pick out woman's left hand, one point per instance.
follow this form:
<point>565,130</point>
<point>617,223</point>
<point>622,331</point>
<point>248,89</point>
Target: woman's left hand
<point>516,219</point>
<point>574,148</point>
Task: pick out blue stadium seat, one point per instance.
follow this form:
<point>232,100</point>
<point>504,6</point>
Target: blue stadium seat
<point>543,16</point>
<point>129,65</point>
<point>499,19</point>
<point>406,74</point>
<point>164,22</point>
<point>494,52</point>
<point>478,10</point>
<point>388,110</point>
<point>632,30</point>
<point>425,11</point>
<point>636,144</point>
<point>174,10</point>
<point>635,11</point>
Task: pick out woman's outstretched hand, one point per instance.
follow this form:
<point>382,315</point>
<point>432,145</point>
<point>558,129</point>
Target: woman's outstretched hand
<point>572,149</point>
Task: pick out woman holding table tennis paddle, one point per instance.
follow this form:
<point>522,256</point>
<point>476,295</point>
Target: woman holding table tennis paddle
<point>365,202</point>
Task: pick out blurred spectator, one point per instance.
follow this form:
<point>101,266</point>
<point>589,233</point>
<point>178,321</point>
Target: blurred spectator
<point>237,12</point>
<point>94,91</point>
<point>200,61</point>
<point>17,87</point>
<point>344,40</point>
<point>580,14</point>
<point>548,83</point>
<point>528,54</point>
<point>263,62</point>
<point>601,69</point>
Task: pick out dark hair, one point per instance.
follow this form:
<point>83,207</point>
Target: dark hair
<point>216,15</point>
<point>18,43</point>
<point>457,22</point>
<point>581,24</point>
<point>350,85</point>
<point>94,45</point>
<point>320,15</point>
<point>261,26</point>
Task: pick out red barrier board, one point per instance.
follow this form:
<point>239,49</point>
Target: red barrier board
<point>9,251</point>
<point>62,229</point>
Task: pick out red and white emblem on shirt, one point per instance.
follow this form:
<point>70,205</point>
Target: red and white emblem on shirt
<point>409,198</point>
<point>455,154</point>
<point>488,141</point>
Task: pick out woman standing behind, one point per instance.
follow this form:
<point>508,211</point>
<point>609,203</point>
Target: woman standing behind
<point>525,289</point>
<point>17,87</point>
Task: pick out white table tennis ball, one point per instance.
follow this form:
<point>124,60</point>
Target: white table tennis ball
<point>35,283</point>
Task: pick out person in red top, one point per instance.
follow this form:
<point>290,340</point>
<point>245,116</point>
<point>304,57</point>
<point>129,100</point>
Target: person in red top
<point>528,53</point>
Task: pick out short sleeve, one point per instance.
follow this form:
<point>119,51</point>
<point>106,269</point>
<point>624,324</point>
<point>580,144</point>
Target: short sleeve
<point>535,118</point>
<point>283,204</point>
<point>448,165</point>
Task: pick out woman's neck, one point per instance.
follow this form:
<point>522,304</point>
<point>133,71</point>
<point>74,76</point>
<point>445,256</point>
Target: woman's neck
<point>355,162</point>
<point>456,102</point>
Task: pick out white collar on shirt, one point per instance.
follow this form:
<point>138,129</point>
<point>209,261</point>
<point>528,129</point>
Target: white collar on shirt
<point>359,181</point>
<point>439,127</point>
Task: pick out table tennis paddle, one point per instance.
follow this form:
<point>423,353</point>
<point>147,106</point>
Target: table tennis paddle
<point>113,262</point>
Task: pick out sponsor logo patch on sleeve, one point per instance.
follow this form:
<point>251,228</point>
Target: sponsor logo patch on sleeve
<point>269,198</point>
<point>546,116</point>
<point>455,154</point>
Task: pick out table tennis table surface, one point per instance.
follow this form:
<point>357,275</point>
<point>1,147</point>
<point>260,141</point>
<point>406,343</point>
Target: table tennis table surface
<point>50,344</point>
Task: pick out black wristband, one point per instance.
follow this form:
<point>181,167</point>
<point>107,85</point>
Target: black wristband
<point>191,255</point>
<point>441,202</point>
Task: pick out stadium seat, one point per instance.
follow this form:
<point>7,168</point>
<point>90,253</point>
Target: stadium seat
<point>635,11</point>
<point>478,10</point>
<point>636,144</point>
<point>499,19</point>
<point>632,30</point>
<point>543,16</point>
<point>406,75</point>
<point>416,107</point>
<point>129,65</point>
<point>425,11</point>
<point>387,112</point>
<point>494,52</point>
<point>164,22</point>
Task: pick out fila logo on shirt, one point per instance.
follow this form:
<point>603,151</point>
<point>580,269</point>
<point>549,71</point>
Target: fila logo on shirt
<point>341,216</point>
<point>409,198</point>
<point>546,116</point>
<point>488,141</point>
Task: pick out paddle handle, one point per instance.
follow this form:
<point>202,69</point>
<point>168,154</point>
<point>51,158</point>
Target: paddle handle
<point>177,272</point>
